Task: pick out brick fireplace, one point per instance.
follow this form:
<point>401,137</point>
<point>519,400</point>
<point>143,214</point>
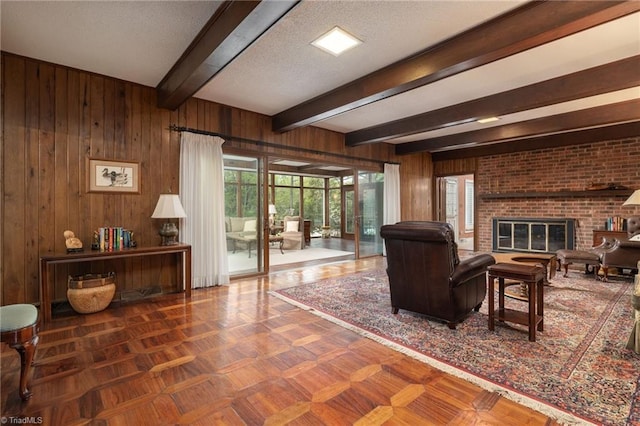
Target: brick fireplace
<point>554,183</point>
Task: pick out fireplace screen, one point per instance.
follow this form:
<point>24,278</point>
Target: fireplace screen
<point>532,235</point>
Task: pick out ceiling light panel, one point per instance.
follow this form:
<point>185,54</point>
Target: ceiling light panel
<point>336,41</point>
<point>488,120</point>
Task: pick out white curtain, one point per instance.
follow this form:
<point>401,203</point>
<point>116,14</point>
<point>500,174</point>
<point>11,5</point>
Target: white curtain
<point>202,194</point>
<point>391,203</point>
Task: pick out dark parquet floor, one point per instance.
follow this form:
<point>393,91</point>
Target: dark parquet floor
<point>234,355</point>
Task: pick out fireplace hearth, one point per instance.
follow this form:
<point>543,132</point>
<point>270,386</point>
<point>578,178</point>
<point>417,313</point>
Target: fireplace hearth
<point>537,235</point>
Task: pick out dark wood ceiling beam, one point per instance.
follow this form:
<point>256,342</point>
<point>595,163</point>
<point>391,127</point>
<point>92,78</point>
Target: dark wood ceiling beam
<point>232,28</point>
<point>528,26</point>
<point>620,112</point>
<point>622,74</point>
<point>578,137</point>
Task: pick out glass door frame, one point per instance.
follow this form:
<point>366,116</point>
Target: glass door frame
<point>351,188</point>
<point>261,217</point>
<point>360,215</point>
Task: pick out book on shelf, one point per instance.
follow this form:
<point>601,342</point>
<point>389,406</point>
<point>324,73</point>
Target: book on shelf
<point>615,223</point>
<point>111,238</point>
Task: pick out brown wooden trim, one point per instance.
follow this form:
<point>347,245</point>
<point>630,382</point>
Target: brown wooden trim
<point>614,132</point>
<point>523,28</point>
<point>618,75</point>
<point>604,115</point>
<point>231,29</point>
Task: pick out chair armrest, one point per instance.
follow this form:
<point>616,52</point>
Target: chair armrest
<point>471,267</point>
<point>629,244</point>
<point>606,244</point>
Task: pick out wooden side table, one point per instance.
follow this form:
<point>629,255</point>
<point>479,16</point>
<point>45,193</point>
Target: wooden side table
<point>531,275</point>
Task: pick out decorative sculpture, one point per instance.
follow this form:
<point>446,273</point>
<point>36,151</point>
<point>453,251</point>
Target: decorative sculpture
<point>73,244</point>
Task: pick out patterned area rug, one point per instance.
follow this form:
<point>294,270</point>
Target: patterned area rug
<point>578,370</point>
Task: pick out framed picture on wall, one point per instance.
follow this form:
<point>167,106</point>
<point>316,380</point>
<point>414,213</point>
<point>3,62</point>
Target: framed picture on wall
<point>114,176</point>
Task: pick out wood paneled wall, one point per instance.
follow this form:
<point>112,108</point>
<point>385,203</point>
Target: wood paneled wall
<point>56,118</point>
<point>462,166</point>
<point>416,177</point>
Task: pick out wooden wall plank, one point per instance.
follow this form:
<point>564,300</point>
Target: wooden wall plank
<point>32,152</point>
<point>13,179</point>
<point>60,168</point>
<point>46,176</point>
<point>152,159</point>
<point>85,202</point>
<point>108,120</point>
<point>134,132</point>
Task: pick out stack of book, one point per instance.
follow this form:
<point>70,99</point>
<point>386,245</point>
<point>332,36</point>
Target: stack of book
<point>615,223</point>
<point>113,238</point>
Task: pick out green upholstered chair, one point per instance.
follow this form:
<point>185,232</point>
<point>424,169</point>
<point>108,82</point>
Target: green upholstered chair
<point>19,329</point>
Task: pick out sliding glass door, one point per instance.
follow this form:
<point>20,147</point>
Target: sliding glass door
<point>244,215</point>
<point>370,207</point>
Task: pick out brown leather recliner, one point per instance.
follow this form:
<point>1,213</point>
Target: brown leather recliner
<point>426,274</point>
<point>623,253</point>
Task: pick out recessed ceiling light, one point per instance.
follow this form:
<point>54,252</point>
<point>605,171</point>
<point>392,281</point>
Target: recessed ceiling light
<point>336,41</point>
<point>488,120</point>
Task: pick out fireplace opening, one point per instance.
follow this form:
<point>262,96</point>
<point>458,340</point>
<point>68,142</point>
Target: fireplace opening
<point>544,235</point>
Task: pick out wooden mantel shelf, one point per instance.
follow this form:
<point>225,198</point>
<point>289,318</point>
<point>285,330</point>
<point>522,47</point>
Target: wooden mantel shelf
<point>559,194</point>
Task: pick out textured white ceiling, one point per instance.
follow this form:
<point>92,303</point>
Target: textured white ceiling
<point>136,41</point>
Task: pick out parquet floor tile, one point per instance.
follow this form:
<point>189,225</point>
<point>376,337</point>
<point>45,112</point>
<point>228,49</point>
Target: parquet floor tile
<point>234,355</point>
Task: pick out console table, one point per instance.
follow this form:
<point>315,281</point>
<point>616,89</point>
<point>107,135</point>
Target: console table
<point>183,251</point>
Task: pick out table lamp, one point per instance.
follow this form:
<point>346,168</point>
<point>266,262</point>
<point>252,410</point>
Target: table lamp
<point>634,199</point>
<point>272,213</point>
<point>168,207</point>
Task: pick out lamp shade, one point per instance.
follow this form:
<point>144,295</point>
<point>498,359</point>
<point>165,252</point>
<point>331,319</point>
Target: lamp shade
<point>634,199</point>
<point>272,209</point>
<point>168,207</point>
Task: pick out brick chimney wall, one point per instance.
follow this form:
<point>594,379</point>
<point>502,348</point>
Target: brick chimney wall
<point>570,168</point>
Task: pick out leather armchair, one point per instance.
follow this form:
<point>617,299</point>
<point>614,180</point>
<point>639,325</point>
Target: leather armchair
<point>426,274</point>
<point>623,253</point>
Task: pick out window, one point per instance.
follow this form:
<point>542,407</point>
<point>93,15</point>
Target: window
<point>240,193</point>
<point>313,201</point>
<point>335,205</point>
<point>286,195</point>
